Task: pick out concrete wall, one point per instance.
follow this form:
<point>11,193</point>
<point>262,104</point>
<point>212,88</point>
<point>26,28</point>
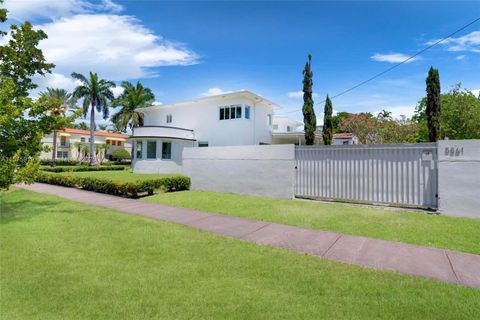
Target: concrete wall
<point>459,177</point>
<point>267,171</point>
<point>159,165</point>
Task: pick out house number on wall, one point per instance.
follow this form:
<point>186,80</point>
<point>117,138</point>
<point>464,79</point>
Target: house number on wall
<point>454,151</point>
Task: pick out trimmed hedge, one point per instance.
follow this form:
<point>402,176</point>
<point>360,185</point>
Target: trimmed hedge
<point>127,189</point>
<point>47,162</point>
<point>84,168</point>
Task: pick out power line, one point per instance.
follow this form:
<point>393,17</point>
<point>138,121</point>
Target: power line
<point>398,64</point>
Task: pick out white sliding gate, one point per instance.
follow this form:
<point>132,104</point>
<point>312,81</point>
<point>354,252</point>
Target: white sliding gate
<point>400,174</point>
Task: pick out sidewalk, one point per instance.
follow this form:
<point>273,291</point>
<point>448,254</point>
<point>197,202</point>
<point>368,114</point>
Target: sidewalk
<point>444,265</point>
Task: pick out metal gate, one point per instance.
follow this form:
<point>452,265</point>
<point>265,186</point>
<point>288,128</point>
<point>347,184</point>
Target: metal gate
<point>400,174</point>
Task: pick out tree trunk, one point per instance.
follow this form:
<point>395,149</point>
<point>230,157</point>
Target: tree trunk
<point>132,147</point>
<point>54,149</point>
<point>92,136</point>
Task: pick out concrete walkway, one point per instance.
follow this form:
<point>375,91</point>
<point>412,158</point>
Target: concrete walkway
<point>444,265</point>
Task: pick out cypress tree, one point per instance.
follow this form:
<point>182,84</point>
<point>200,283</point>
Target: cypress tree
<point>433,104</point>
<point>309,119</point>
<point>327,122</point>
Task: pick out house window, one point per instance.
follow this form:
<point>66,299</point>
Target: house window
<point>275,127</point>
<point>82,139</point>
<point>269,119</point>
<point>289,129</point>
<point>151,149</point>
<point>247,112</point>
<point>166,150</point>
<point>62,154</point>
<point>119,143</point>
<point>169,118</point>
<point>345,142</point>
<point>203,144</point>
<point>231,112</point>
<point>139,149</point>
<point>63,141</point>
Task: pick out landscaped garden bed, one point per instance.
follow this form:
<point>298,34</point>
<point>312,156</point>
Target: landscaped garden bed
<point>120,183</point>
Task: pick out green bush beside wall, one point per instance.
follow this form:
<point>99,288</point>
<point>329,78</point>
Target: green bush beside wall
<point>126,189</point>
<point>84,168</point>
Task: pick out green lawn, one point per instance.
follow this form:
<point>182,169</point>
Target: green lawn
<point>460,234</point>
<point>65,260</point>
<point>122,176</point>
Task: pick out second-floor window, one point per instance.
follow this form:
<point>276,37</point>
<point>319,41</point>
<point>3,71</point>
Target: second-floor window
<point>230,112</point>
<point>63,141</point>
<point>289,129</point>
<point>82,139</point>
<point>269,119</point>
<point>169,118</point>
<point>275,127</point>
<point>247,112</point>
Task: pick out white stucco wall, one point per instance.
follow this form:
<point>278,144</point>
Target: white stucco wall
<point>159,165</point>
<point>202,116</point>
<point>459,178</point>
<point>267,171</point>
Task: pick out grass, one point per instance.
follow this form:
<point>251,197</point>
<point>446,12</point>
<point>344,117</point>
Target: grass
<point>460,234</point>
<point>121,176</point>
<point>66,260</point>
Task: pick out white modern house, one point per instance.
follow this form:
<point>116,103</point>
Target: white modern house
<point>231,119</point>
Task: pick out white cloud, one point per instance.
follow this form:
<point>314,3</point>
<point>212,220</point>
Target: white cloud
<point>476,92</point>
<point>117,91</point>
<point>469,42</point>
<point>214,92</point>
<point>53,80</point>
<point>299,94</point>
<point>392,57</point>
<point>53,9</point>
<point>118,47</point>
<point>461,57</point>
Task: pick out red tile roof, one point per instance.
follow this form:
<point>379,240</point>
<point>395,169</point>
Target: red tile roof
<point>96,133</point>
<point>343,135</point>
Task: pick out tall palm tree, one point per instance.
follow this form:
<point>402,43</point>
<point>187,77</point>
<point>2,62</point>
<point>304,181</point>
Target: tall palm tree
<point>95,93</point>
<point>66,101</point>
<point>132,98</point>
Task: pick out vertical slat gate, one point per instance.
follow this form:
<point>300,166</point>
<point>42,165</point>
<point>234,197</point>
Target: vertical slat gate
<point>400,174</point>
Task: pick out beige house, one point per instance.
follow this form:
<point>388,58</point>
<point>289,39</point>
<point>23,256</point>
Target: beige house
<point>70,141</point>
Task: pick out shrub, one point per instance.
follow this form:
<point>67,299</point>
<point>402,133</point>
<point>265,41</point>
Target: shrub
<point>47,162</point>
<point>120,154</point>
<point>84,168</point>
<point>127,189</point>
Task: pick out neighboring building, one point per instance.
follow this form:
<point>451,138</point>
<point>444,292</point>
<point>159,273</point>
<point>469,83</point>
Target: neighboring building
<point>232,119</point>
<point>68,141</point>
<point>289,131</point>
<point>344,138</point>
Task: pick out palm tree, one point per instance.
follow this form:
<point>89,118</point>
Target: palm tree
<point>65,101</point>
<point>132,98</point>
<point>95,93</point>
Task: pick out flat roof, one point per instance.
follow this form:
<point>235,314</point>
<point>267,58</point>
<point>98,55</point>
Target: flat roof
<point>242,93</point>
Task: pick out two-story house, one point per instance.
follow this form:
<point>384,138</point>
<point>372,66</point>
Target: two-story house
<point>232,119</point>
<point>71,143</point>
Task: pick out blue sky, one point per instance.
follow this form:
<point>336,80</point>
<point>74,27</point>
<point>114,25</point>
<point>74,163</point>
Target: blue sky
<point>184,50</point>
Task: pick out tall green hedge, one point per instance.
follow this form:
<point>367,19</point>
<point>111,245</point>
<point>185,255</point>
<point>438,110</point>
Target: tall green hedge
<point>84,168</point>
<point>127,189</point>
